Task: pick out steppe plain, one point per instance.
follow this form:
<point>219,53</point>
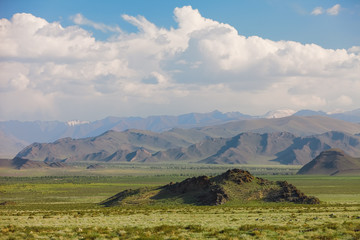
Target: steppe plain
<point>63,204</point>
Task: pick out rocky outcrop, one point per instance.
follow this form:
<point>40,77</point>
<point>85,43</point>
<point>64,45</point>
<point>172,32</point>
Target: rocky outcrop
<point>235,184</point>
<point>237,176</point>
<point>289,193</point>
<point>204,191</point>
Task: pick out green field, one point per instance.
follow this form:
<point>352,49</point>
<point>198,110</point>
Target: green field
<point>64,206</point>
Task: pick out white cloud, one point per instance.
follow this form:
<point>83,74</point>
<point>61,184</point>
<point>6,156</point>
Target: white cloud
<point>344,100</point>
<point>354,49</point>
<point>52,72</point>
<point>334,10</point>
<point>81,20</point>
<point>317,11</point>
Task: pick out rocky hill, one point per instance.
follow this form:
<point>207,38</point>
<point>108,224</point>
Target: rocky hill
<point>332,162</point>
<point>234,185</point>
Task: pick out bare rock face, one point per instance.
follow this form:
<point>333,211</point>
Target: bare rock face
<point>235,184</point>
<point>189,185</point>
<point>289,193</point>
<point>238,176</point>
<point>204,191</point>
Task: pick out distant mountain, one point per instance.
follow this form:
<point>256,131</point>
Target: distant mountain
<point>298,125</point>
<point>349,116</point>
<point>15,135</point>
<point>332,162</point>
<point>304,149</point>
<point>110,146</point>
<point>254,148</point>
<point>21,163</point>
<point>251,148</point>
<point>279,113</point>
<point>146,146</point>
<point>9,145</point>
<point>304,113</point>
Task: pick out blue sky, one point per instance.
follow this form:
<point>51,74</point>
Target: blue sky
<point>273,19</point>
<point>90,59</point>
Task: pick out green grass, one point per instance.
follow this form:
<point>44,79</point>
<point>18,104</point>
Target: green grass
<point>143,169</point>
<point>331,189</point>
<point>65,207</point>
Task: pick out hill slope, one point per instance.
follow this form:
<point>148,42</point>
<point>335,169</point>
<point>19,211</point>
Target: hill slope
<point>144,146</point>
<point>255,148</point>
<point>297,125</point>
<point>21,163</point>
<point>349,116</point>
<point>110,146</point>
<point>234,185</point>
<point>9,145</point>
<point>17,134</point>
<point>251,148</point>
<point>332,162</point>
<point>122,146</point>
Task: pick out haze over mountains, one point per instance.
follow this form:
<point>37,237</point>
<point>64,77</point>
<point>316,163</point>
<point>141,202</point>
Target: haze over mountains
<point>15,135</point>
<point>185,130</point>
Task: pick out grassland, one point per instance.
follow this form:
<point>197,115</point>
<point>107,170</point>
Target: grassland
<point>65,207</point>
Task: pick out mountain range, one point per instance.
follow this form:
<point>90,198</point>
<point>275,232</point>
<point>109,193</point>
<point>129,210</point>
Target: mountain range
<point>16,135</point>
<point>261,141</point>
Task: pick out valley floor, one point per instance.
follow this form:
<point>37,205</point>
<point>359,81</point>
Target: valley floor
<point>65,207</point>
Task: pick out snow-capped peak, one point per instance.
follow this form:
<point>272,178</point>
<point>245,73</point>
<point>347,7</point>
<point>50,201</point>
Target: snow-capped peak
<point>76,122</point>
<point>279,113</point>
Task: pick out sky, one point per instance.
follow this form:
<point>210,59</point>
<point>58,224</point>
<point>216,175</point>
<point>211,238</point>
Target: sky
<point>86,60</point>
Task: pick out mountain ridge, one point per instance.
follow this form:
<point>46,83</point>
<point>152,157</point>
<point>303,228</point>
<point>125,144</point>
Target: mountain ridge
<point>244,148</point>
<point>15,135</point>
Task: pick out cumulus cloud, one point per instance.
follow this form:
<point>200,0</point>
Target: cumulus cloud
<point>53,72</point>
<point>354,49</point>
